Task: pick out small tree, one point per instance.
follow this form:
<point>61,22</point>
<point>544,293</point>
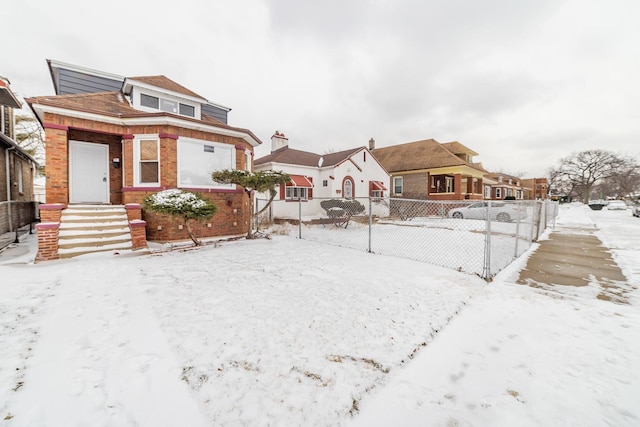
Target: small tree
<point>188,206</point>
<point>253,181</point>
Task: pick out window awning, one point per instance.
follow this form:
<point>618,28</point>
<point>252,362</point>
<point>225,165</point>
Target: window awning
<point>378,185</point>
<point>299,181</point>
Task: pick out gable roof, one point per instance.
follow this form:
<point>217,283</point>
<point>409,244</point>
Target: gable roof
<point>291,156</point>
<point>417,155</point>
<point>164,82</point>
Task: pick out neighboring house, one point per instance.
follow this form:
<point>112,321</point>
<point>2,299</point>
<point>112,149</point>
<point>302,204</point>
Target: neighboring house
<point>17,168</point>
<point>113,140</point>
<point>535,188</point>
<point>347,174</point>
<point>430,170</point>
<point>504,185</point>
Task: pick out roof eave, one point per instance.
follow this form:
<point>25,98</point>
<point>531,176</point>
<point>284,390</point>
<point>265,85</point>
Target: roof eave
<point>143,119</point>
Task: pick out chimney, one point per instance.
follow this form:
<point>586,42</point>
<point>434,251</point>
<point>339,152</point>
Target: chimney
<point>278,141</point>
<point>372,144</point>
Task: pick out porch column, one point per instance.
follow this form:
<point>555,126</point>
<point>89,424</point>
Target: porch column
<point>457,186</point>
<point>57,161</point>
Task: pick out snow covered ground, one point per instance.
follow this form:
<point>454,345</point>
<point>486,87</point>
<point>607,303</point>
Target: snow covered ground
<point>293,332</point>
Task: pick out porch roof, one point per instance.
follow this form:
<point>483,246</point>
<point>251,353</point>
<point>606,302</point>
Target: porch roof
<point>7,97</point>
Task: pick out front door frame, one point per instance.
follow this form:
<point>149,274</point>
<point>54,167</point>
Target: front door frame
<point>105,199</point>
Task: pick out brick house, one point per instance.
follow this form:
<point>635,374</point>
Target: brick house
<point>17,168</point>
<point>431,170</point>
<point>352,173</point>
<point>113,140</point>
<point>504,185</point>
<point>536,188</point>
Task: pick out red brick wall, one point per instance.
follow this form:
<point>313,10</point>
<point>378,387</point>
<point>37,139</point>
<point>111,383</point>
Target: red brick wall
<point>47,241</point>
<point>234,207</point>
<point>57,161</point>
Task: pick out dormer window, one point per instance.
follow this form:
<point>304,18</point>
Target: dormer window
<point>168,105</point>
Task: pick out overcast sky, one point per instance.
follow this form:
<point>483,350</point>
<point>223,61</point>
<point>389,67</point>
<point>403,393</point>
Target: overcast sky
<point>522,82</point>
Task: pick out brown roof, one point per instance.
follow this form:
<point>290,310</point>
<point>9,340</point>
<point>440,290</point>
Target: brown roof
<point>290,156</point>
<point>425,154</point>
<point>457,148</point>
<point>114,104</point>
<point>165,83</point>
<point>109,103</point>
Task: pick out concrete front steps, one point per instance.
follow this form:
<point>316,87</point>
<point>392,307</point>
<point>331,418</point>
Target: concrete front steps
<point>93,228</point>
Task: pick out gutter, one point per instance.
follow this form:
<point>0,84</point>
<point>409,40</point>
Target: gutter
<point>9,187</point>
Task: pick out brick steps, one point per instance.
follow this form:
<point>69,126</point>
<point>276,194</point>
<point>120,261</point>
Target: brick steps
<point>93,228</point>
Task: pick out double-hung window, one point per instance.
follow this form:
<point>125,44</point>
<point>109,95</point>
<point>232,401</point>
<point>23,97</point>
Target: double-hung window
<point>397,185</point>
<point>147,161</point>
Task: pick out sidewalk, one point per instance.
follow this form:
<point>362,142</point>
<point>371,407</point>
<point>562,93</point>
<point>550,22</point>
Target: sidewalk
<point>574,256</point>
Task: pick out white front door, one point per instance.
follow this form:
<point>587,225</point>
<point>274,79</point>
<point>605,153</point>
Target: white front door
<point>88,172</point>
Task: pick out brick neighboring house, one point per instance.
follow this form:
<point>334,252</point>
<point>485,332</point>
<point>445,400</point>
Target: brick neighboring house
<point>352,173</point>
<point>113,140</point>
<point>17,168</point>
<point>504,185</point>
<point>535,188</point>
<point>430,170</point>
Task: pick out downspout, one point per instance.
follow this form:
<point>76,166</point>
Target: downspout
<point>9,187</point>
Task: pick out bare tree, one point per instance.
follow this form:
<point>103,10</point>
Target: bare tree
<point>29,136</point>
<point>579,172</point>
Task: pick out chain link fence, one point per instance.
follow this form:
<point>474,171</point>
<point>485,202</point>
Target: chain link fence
<point>475,237</point>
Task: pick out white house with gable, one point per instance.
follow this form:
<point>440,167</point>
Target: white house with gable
<point>348,174</point>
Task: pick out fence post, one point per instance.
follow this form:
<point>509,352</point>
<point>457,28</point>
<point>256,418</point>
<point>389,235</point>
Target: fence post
<point>370,221</point>
<point>299,218</point>
<point>18,209</point>
<point>515,255</point>
<point>487,244</point>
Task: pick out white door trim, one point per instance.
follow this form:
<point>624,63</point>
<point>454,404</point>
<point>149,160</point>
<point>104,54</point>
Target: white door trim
<point>100,192</point>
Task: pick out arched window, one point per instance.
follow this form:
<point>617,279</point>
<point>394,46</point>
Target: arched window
<point>347,189</point>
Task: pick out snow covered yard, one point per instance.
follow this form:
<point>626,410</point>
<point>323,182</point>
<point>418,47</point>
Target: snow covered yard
<point>294,332</point>
<point>268,332</point>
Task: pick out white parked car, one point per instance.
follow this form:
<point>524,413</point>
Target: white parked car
<point>499,211</point>
<point>617,205</point>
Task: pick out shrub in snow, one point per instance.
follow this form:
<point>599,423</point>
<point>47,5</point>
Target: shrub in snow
<point>261,182</point>
<point>186,205</point>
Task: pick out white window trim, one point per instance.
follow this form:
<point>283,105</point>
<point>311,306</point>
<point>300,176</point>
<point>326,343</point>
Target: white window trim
<point>137,103</point>
<point>401,185</point>
<point>19,177</point>
<point>203,142</point>
<point>247,159</point>
<point>288,193</point>
<point>136,160</point>
<point>498,193</point>
<point>344,188</point>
